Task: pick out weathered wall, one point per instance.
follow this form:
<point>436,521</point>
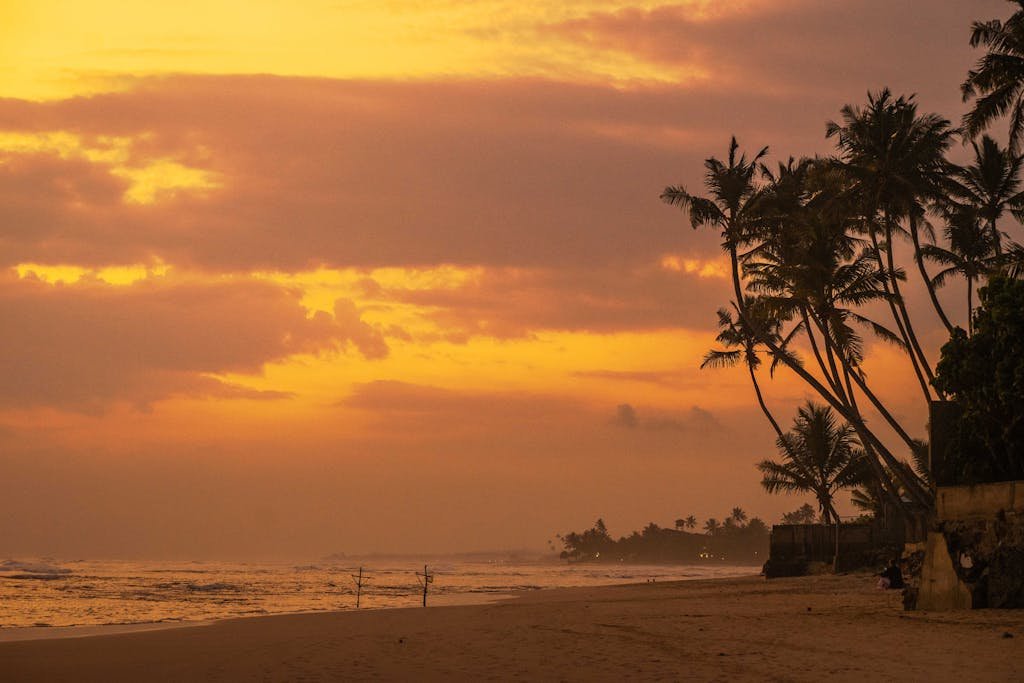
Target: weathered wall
<point>980,501</point>
<point>974,555</point>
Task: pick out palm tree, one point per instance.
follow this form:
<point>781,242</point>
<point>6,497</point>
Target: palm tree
<point>895,164</point>
<point>820,456</point>
<point>971,254</point>
<point>996,83</point>
<point>691,522</point>
<point>809,268</point>
<point>712,526</point>
<point>738,515</point>
<point>742,344</point>
<point>731,207</point>
<point>991,185</point>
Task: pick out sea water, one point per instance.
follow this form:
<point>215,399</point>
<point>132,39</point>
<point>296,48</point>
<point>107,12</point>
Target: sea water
<point>89,593</point>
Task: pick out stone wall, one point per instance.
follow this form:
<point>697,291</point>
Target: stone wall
<point>974,554</point>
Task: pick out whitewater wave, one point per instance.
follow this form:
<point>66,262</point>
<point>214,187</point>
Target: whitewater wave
<point>19,569</point>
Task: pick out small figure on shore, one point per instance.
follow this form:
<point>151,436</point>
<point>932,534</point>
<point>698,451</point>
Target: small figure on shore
<point>891,577</point>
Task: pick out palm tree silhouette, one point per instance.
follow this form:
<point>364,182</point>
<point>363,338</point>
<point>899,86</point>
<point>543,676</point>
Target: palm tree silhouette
<point>738,515</point>
<point>894,160</point>
<point>990,185</point>
<point>820,456</point>
<point>742,344</point>
<point>731,207</point>
<point>996,83</point>
<point>807,267</point>
<point>971,254</point>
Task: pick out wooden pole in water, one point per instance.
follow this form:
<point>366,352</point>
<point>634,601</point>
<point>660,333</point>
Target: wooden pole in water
<point>426,580</point>
<point>359,585</point>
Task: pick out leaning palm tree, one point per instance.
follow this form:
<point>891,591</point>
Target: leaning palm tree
<point>971,254</point>
<point>894,160</point>
<point>820,456</point>
<point>743,344</point>
<point>996,83</point>
<point>809,268</point>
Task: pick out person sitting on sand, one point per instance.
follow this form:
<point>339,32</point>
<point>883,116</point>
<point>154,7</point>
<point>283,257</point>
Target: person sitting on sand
<point>892,577</point>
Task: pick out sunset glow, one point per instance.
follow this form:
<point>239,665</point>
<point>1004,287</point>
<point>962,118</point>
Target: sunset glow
<point>332,257</point>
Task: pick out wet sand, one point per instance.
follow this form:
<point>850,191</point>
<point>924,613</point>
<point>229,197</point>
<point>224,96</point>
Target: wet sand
<point>801,629</point>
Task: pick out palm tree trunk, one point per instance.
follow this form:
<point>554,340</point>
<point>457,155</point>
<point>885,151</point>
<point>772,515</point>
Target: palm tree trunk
<point>970,306</point>
<point>851,416</point>
<point>927,279</point>
<point>882,410</point>
<point>997,239</point>
<point>831,378</point>
<point>902,306</point>
<point>884,480</point>
<point>896,317</point>
<point>830,344</point>
<point>760,401</point>
<point>848,370</point>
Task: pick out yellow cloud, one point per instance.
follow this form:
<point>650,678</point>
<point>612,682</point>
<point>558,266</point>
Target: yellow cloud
<point>149,179</point>
<point>57,48</point>
<point>69,274</point>
<point>163,178</point>
<point>692,266</point>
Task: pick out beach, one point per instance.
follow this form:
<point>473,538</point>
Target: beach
<point>800,629</point>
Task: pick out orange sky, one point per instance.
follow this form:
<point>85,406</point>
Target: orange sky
<point>285,280</point>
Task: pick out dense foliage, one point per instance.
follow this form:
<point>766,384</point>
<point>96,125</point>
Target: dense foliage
<point>735,540</point>
<point>985,374</point>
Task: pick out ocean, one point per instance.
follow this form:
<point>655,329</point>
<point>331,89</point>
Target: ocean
<point>49,593</point>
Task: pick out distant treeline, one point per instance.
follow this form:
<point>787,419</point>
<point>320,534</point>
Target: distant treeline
<point>736,540</point>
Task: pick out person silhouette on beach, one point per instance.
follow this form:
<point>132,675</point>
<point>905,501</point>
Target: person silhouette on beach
<point>891,577</point>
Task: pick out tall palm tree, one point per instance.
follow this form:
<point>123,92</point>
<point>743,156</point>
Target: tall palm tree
<point>894,159</point>
<point>809,268</point>
<point>971,254</point>
<point>740,209</point>
<point>820,456</point>
<point>991,185</point>
<point>691,522</point>
<point>996,83</point>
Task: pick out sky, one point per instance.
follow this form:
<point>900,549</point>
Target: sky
<point>279,280</point>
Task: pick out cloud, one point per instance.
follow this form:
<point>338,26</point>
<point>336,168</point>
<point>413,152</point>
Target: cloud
<point>697,421</point>
<point>625,416</point>
<point>85,346</point>
<point>795,46</point>
<point>315,172</point>
<point>509,303</point>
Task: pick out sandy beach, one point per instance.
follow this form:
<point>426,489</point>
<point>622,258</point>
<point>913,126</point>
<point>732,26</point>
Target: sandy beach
<point>801,629</point>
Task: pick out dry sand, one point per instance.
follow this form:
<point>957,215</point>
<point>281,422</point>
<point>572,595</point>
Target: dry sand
<point>802,629</point>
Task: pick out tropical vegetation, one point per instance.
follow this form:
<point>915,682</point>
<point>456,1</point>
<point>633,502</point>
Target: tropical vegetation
<point>735,539</point>
<point>820,252</point>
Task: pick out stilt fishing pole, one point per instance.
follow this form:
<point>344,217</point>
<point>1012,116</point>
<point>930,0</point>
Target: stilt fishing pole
<point>426,578</point>
<point>359,580</point>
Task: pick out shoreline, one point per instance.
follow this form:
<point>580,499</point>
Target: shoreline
<point>806,628</point>
<point>18,634</point>
<point>459,598</point>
